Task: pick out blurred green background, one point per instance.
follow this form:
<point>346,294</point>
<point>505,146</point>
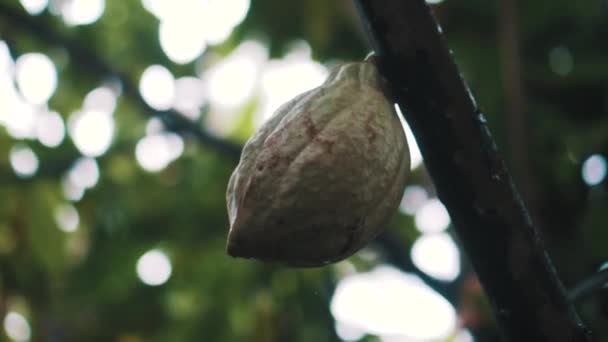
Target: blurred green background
<point>120,125</point>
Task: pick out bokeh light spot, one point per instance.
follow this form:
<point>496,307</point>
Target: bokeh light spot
<point>6,62</point>
<point>84,173</point>
<point>432,217</point>
<point>388,302</point>
<point>561,60</point>
<point>17,327</point>
<point>347,332</point>
<point>23,160</point>
<point>187,26</point>
<point>71,191</point>
<point>156,7</point>
<point>67,218</point>
<point>20,120</point>
<point>154,125</point>
<point>50,130</point>
<point>229,11</point>
<point>414,197</point>
<point>101,99</point>
<point>180,41</point>
<point>92,132</point>
<point>82,12</point>
<point>232,81</point>
<point>10,103</point>
<point>189,96</point>
<point>594,170</point>
<point>464,336</point>
<point>154,268</point>
<point>175,9</point>
<point>36,77</point>
<point>437,255</point>
<point>34,7</point>
<point>155,151</point>
<point>221,18</point>
<point>157,87</point>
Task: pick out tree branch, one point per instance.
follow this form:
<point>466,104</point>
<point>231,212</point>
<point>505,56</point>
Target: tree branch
<point>471,179</point>
<point>586,287</point>
<point>516,104</point>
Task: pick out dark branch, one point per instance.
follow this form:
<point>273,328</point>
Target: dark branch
<point>41,30</point>
<point>516,104</point>
<point>471,179</point>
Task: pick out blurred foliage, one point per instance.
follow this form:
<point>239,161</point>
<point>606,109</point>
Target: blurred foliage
<point>82,286</point>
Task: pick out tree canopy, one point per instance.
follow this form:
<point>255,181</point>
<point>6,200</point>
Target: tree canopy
<point>121,122</point>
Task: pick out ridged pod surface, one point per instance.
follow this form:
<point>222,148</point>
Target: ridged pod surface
<point>322,177</point>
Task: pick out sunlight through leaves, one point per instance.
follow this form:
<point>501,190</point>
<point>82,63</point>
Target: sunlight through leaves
<point>432,217</point>
<point>17,327</point>
<point>36,77</point>
<point>66,217</point>
<point>34,7</point>
<point>437,255</point>
<point>82,12</point>
<point>50,130</point>
<point>594,170</point>
<point>23,160</point>
<point>388,302</point>
<point>154,268</point>
<point>157,87</point>
<point>91,131</point>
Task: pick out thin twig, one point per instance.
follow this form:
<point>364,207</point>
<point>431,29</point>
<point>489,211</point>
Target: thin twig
<point>471,179</point>
<point>589,285</point>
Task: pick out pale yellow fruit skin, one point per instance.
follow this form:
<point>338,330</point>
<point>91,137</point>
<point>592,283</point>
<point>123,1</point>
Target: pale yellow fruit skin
<point>323,176</point>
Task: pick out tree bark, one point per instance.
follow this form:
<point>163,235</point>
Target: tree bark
<point>516,104</point>
<point>472,181</point>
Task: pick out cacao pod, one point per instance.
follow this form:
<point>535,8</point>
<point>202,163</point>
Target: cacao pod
<point>321,178</point>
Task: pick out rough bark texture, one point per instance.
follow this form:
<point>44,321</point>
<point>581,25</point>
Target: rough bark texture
<point>471,179</point>
<point>518,123</point>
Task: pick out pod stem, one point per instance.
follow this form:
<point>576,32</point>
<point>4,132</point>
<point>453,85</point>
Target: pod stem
<point>472,181</point>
